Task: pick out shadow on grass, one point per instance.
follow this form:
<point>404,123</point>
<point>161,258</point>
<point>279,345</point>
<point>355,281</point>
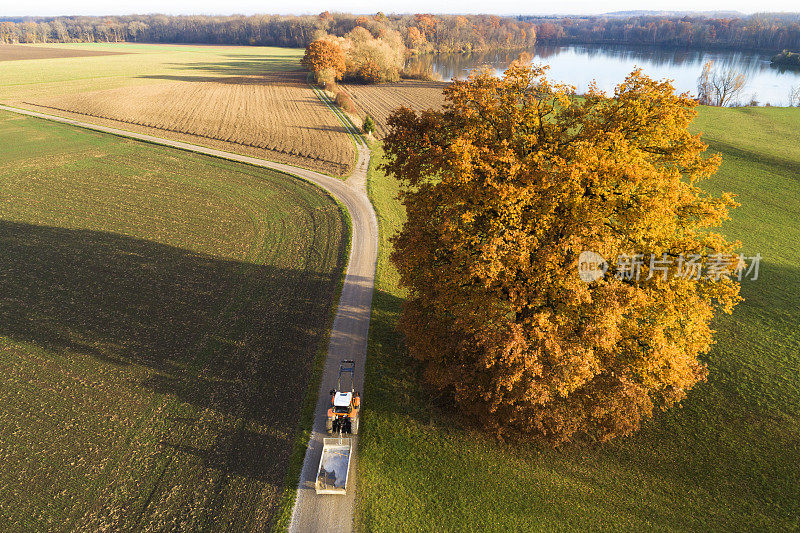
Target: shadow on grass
<point>396,386</point>
<point>234,337</point>
<point>771,161</point>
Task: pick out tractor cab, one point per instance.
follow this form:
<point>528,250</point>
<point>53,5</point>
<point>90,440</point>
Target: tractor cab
<point>342,402</point>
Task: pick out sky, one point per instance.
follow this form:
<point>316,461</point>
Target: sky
<point>500,7</point>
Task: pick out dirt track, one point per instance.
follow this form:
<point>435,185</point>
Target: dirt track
<point>350,327</point>
<point>313,512</point>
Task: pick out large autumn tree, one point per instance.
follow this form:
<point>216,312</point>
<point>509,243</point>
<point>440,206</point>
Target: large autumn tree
<point>504,188</point>
<point>326,59</point>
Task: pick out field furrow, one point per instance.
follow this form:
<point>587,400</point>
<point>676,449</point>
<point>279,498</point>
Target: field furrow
<point>287,124</point>
<point>380,100</point>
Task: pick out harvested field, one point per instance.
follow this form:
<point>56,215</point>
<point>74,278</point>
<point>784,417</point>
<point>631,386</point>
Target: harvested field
<point>160,314</point>
<point>13,52</point>
<point>380,100</point>
<point>275,116</point>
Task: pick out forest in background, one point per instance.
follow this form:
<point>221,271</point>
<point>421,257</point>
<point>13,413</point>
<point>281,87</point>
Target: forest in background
<point>764,31</point>
<point>421,33</point>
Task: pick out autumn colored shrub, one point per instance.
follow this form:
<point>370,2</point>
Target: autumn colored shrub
<point>358,55</point>
<point>369,72</point>
<point>344,101</point>
<point>504,188</point>
<point>374,59</point>
<point>327,78</point>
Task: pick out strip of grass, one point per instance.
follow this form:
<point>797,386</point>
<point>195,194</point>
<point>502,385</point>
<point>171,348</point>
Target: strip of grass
<point>160,312</point>
<point>728,459</point>
<point>355,133</point>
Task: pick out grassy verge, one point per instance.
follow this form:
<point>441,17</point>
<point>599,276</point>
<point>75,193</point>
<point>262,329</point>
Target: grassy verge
<point>728,459</point>
<point>160,313</point>
<point>345,119</point>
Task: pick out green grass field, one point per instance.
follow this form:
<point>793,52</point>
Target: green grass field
<point>728,459</point>
<point>140,64</point>
<point>160,314</point>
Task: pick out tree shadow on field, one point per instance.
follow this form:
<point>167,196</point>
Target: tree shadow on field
<point>270,67</point>
<point>774,162</point>
<point>236,451</point>
<point>286,79</point>
<point>233,337</point>
<point>734,440</point>
<point>247,65</point>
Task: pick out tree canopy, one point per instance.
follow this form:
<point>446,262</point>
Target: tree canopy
<point>325,58</point>
<point>504,189</point>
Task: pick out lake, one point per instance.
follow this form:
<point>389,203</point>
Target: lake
<point>608,65</point>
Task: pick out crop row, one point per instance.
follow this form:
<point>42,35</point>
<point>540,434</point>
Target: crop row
<point>283,119</point>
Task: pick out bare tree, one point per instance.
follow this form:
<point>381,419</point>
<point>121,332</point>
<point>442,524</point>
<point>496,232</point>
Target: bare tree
<point>719,88</point>
<point>794,96</point>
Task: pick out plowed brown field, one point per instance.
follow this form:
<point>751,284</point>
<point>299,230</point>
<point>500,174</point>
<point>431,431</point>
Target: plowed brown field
<point>276,117</point>
<point>380,100</point>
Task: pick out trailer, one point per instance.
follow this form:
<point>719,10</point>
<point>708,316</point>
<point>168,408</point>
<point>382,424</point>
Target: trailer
<point>334,466</point>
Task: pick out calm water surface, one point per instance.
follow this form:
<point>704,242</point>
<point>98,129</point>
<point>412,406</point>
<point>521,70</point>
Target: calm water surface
<point>608,65</point>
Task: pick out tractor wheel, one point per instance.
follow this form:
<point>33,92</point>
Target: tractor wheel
<point>355,425</point>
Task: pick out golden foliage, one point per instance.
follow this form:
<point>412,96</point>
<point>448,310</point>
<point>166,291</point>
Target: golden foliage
<point>359,55</point>
<point>504,189</point>
<point>324,55</point>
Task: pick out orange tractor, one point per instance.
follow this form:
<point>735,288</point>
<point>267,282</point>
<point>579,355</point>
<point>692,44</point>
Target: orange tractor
<point>345,402</point>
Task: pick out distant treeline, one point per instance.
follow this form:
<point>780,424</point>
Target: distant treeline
<point>421,33</point>
<point>755,32</point>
